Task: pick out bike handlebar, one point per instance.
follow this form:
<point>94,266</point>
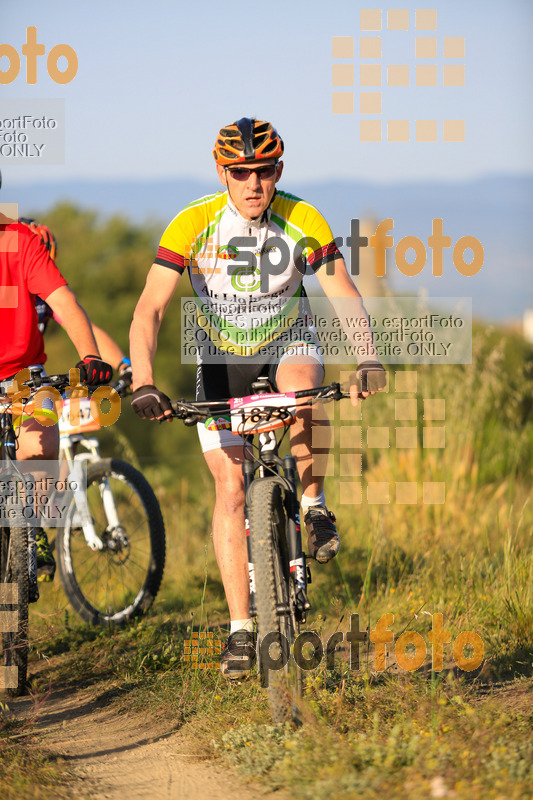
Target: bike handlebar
<point>62,381</point>
<point>122,386</point>
<point>193,412</point>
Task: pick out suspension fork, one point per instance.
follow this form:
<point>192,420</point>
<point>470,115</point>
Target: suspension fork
<point>75,461</point>
<point>297,562</point>
<point>267,446</point>
<point>248,471</point>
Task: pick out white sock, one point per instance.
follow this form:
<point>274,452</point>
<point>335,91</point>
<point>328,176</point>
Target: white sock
<point>241,625</point>
<point>306,502</point>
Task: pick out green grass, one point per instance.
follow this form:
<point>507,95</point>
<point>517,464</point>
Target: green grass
<point>26,771</point>
<point>394,731</point>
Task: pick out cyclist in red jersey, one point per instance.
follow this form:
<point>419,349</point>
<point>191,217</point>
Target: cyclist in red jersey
<point>109,349</point>
<point>247,155</point>
<point>26,270</point>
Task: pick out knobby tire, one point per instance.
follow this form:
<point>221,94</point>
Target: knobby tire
<point>273,586</point>
<point>14,570</point>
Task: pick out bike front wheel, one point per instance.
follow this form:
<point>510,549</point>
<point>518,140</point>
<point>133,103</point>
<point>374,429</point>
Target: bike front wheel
<point>120,581</point>
<point>273,598</point>
<point>14,590</point>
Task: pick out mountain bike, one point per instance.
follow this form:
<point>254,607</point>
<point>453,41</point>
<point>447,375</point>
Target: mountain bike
<point>278,569</point>
<point>111,549</point>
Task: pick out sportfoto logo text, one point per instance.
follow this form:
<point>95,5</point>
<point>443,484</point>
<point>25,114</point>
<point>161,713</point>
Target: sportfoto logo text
<point>245,259</point>
<point>410,650</point>
<point>32,50</point>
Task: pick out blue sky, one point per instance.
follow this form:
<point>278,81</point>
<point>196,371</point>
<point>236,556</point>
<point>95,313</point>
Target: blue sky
<point>156,80</point>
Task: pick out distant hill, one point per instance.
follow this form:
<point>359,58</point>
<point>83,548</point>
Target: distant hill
<point>496,210</point>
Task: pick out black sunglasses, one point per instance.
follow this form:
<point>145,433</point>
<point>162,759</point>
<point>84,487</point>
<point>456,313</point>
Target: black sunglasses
<point>243,173</point>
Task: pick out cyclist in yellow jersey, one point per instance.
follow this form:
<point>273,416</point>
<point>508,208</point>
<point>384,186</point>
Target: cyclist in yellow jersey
<point>247,250</point>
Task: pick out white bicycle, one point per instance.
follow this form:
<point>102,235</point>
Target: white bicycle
<point>111,549</point>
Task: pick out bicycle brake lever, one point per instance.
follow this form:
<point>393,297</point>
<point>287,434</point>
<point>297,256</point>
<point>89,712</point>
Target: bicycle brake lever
<point>180,411</point>
<point>121,387</point>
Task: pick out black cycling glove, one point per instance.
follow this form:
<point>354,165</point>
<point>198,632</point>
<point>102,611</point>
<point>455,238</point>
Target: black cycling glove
<point>370,377</point>
<point>149,403</point>
<point>94,371</point>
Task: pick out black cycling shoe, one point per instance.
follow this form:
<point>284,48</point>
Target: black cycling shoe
<point>46,565</point>
<point>238,655</point>
<point>323,540</point>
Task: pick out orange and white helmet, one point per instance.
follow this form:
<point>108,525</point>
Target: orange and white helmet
<point>247,139</point>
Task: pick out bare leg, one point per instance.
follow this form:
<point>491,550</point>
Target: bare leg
<point>229,538</point>
<point>293,377</point>
<point>323,541</point>
<point>38,442</point>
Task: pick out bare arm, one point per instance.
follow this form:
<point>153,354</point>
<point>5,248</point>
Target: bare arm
<point>147,317</point>
<point>348,304</point>
<point>75,321</point>
<point>109,349</point>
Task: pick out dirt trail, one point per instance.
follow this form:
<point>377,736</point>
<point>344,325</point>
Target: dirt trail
<point>128,756</point>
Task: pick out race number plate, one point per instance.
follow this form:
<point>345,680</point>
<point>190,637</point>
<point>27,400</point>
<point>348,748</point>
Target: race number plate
<point>77,417</point>
<point>257,413</point>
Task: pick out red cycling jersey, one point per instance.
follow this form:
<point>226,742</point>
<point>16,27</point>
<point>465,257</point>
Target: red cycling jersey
<point>26,270</point>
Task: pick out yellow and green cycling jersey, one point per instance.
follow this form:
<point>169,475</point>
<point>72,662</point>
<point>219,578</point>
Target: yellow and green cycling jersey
<point>246,275</point>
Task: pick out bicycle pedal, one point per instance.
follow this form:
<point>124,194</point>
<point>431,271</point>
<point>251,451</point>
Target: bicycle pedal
<point>309,576</point>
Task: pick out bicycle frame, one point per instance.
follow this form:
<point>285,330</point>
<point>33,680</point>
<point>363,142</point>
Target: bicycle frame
<point>69,442</point>
<point>268,465</point>
<point>278,580</point>
<point>102,530</point>
<point>68,445</point>
<point>67,448</point>
<point>115,527</point>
